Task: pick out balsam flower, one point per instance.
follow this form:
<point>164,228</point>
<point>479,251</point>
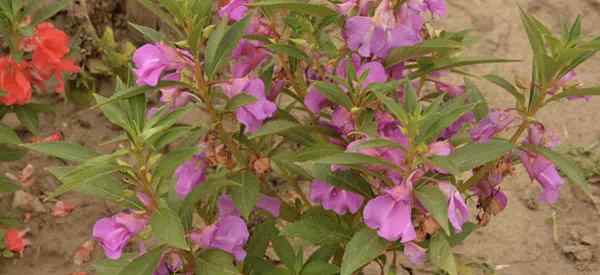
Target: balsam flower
<point>170,263</point>
<point>457,125</point>
<point>190,174</point>
<point>451,90</point>
<point>234,9</point>
<point>229,234</point>
<point>390,214</point>
<point>251,115</point>
<point>332,198</point>
<point>246,56</point>
<point>113,233</point>
<point>377,35</point>
<point>458,211</point>
<point>152,60</point>
<point>414,253</point>
<point>494,123</point>
<point>15,241</point>
<point>227,207</point>
<point>14,82</point>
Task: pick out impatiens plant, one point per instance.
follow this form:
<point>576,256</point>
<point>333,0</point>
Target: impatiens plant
<point>33,56</point>
<point>321,138</point>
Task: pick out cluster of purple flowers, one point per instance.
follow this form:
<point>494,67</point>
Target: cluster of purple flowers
<point>392,211</point>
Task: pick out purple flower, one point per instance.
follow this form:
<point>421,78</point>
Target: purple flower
<point>245,57</point>
<point>390,214</point>
<point>251,115</point>
<point>314,101</point>
<point>414,253</point>
<point>544,171</point>
<point>347,6</point>
<point>234,10</point>
<point>190,174</point>
<point>377,35</point>
<point>331,198</point>
<point>151,60</point>
<point>229,234</point>
<point>456,126</point>
<point>342,120</point>
<point>451,90</point>
<point>169,263</point>
<point>494,123</point>
<point>376,73</point>
<point>458,212</point>
<point>538,135</point>
<point>440,148</point>
<point>437,7</point>
<point>114,232</point>
<point>390,128</point>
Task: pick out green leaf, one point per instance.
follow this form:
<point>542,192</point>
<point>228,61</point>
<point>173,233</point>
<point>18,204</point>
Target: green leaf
<point>481,108</point>
<point>275,127</point>
<point>246,194</point>
<point>145,264</point>
<point>440,254</point>
<point>82,175</point>
<point>150,34</point>
<point>62,150</point>
<point>289,50</point>
<point>451,63</point>
<point>211,187</point>
<point>437,45</point>
<point>262,234</point>
<point>475,154</point>
<point>590,91</point>
<point>296,6</point>
<point>568,167</point>
<point>215,262</point>
<point>334,94</point>
<point>507,86</point>
<point>137,90</point>
<point>169,162</point>
<point>319,268</point>
<point>111,267</point>
<point>229,40</point>
<point>162,15</point>
<point>348,158</point>
<point>364,247</point>
<point>285,252</point>
<point>114,113</point>
<point>443,120</point>
<point>167,227</point>
<point>48,11</point>
<point>436,203</point>
<point>239,101</point>
<point>347,180</point>
<point>377,143</point>
<point>8,135</point>
<point>214,41</point>
<point>11,153</point>
<point>318,227</point>
<point>411,101</point>
<point>7,185</point>
<point>395,108</point>
<point>28,118</point>
<point>467,229</point>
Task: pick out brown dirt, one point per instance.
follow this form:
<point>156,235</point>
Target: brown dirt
<point>520,241</point>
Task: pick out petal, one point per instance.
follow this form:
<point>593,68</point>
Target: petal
<point>269,204</point>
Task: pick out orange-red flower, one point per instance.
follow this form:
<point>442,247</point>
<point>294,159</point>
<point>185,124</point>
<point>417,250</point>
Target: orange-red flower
<point>14,82</point>
<point>14,240</point>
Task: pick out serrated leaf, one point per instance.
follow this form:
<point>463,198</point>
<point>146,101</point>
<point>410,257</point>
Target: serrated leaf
<point>440,254</point>
<point>150,34</point>
<point>318,227</point>
<point>63,150</point>
<point>48,11</point>
<point>246,194</point>
<point>167,227</point>
<point>215,262</point>
<point>348,158</point>
<point>296,6</point>
<point>239,101</point>
<point>576,92</point>
<point>28,118</point>
<point>507,86</point>
<point>395,108</point>
<point>288,50</point>
<point>334,94</point>
<point>228,42</point>
<point>364,247</point>
<point>481,108</point>
<point>274,127</point>
<point>111,267</point>
<point>145,264</point>
<point>262,234</point>
<point>436,203</point>
<point>475,154</point>
<point>319,268</point>
<point>8,135</point>
<point>286,253</point>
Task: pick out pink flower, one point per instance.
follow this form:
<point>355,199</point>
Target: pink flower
<point>414,253</point>
<point>458,211</point>
<point>494,123</point>
<point>269,204</point>
<point>234,9</point>
<point>113,233</point>
<point>390,214</point>
<point>246,56</point>
<point>152,60</point>
<point>251,115</point>
<point>190,174</point>
<point>451,90</point>
<point>377,35</point>
<point>338,200</point>
<point>229,234</point>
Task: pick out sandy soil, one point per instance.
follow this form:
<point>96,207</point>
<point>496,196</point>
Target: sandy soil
<point>523,240</point>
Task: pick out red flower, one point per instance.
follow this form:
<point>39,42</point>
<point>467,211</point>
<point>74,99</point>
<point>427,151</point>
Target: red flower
<point>14,81</point>
<point>49,46</point>
<point>14,241</point>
